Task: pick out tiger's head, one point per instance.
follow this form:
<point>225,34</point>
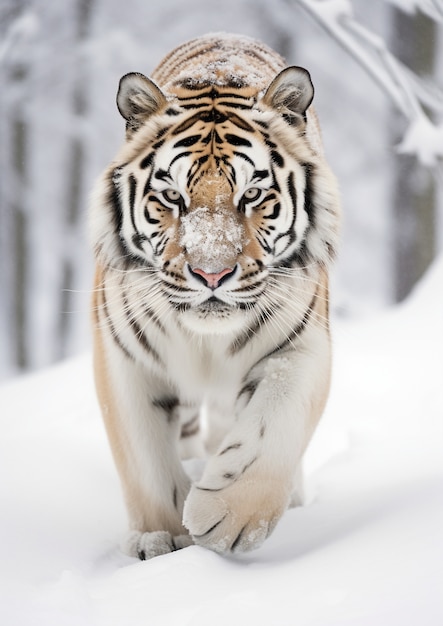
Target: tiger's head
<point>215,188</point>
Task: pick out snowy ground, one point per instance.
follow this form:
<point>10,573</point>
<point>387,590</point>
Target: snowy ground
<point>367,549</point>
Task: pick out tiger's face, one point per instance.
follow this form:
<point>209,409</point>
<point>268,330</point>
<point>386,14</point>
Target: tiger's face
<point>215,189</point>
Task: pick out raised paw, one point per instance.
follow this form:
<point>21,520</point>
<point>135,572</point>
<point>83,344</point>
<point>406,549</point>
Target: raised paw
<point>236,518</point>
<point>147,545</point>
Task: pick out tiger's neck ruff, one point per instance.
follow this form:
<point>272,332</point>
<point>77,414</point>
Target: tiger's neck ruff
<point>213,231</point>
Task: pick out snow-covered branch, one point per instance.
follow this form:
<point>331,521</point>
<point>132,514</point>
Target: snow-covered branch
<point>423,137</point>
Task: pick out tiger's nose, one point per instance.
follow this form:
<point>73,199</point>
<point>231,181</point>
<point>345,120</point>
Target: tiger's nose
<point>212,280</point>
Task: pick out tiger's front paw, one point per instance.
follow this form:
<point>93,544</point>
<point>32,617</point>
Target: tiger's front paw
<point>149,544</point>
<point>236,518</point>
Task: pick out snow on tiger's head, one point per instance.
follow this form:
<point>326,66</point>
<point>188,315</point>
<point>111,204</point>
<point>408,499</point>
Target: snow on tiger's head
<point>218,182</point>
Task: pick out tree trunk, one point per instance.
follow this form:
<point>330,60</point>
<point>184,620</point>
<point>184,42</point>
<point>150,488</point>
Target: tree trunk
<point>414,194</point>
<point>19,130</point>
<point>76,178</point>
<point>14,161</point>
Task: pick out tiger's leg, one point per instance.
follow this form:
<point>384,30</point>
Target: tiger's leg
<point>143,429</point>
<point>247,484</point>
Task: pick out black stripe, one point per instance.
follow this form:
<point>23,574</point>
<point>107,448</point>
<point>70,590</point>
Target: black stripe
<point>195,168</point>
<point>244,156</point>
<point>263,244</point>
<point>260,174</point>
<point>236,105</point>
<point>139,332</point>
<point>295,332</point>
<point>212,94</point>
<point>249,388</point>
<point>301,257</point>
<point>234,446</point>
<point>161,245</point>
<point>309,205</point>
<point>138,241</point>
<point>114,334</point>
<point>242,340</point>
<point>186,124</point>
<point>233,476</point>
<point>194,105</point>
<point>240,122</point>
<point>290,232</point>
<point>269,143</point>
<point>190,428</point>
<point>293,195</point>
<point>275,184</point>
<point>158,144</point>
<point>114,199</point>
<point>275,213</point>
<point>148,218</point>
<point>187,141</point>
<point>217,137</point>
<point>236,140</point>
<point>161,174</point>
<point>180,156</point>
<point>147,188</point>
<point>247,466</point>
<point>154,318</point>
<point>162,132</point>
<point>277,158</point>
<point>132,193</point>
<point>147,160</point>
<point>166,404</point>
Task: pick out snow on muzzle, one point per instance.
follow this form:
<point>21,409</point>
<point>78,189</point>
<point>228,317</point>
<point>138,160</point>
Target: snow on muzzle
<point>213,240</point>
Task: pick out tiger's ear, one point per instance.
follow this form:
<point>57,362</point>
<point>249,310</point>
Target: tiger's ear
<point>138,98</point>
<point>291,92</point>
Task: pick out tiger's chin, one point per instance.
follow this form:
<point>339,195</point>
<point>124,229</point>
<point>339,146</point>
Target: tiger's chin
<point>213,317</point>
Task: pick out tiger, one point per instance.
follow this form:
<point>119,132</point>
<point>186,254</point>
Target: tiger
<point>213,231</point>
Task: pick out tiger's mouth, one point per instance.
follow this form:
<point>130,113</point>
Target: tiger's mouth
<point>213,316</point>
<point>214,305</point>
<point>206,295</point>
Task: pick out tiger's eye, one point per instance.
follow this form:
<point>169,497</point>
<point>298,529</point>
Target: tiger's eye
<point>251,194</point>
<point>172,195</point>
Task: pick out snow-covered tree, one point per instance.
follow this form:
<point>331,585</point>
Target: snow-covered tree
<point>405,75</point>
<point>59,66</point>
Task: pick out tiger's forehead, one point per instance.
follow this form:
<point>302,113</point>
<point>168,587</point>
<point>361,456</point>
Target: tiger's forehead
<point>213,105</point>
<point>218,135</point>
<point>187,93</point>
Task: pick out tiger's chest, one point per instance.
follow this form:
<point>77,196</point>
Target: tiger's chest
<point>205,372</point>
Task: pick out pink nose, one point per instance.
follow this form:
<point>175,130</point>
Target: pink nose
<point>212,280</point>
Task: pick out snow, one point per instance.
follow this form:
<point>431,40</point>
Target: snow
<point>211,243</point>
<point>365,550</point>
<point>232,62</point>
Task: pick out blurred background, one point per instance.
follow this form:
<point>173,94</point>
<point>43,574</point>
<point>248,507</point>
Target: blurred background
<point>60,63</point>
